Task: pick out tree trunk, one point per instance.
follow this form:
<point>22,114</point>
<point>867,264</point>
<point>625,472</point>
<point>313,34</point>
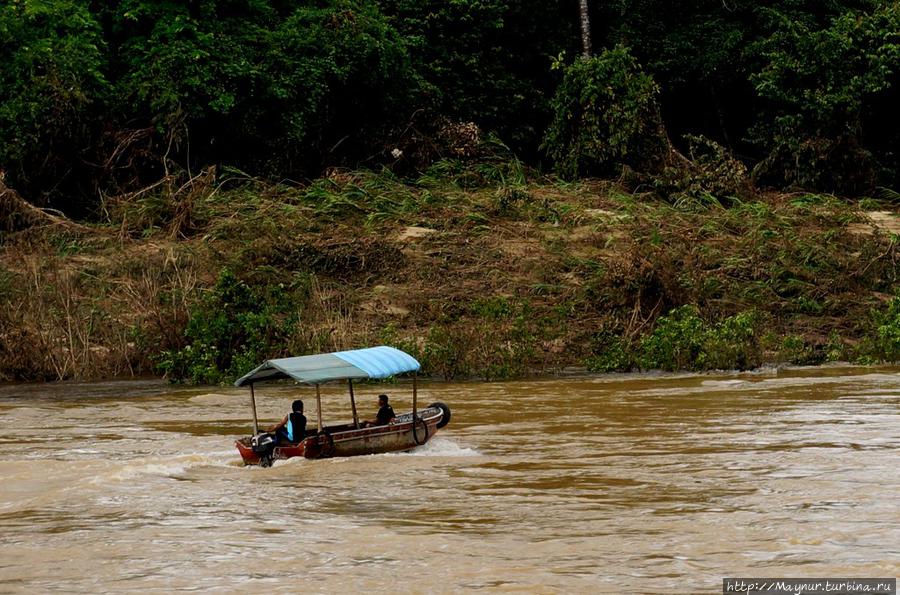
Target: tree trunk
<point>585,29</point>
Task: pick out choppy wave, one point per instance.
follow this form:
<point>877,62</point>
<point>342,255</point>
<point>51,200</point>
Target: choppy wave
<point>539,482</point>
<point>172,466</point>
<point>441,447</point>
<point>436,447</point>
<point>212,399</point>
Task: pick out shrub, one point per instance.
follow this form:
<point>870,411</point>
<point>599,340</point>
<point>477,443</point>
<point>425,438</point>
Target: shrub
<point>234,328</point>
<point>684,341</point>
<point>733,344</point>
<point>887,332</point>
<point>605,115</point>
<point>611,353</point>
<point>460,347</point>
<point>446,351</point>
<point>676,343</point>
<point>796,350</point>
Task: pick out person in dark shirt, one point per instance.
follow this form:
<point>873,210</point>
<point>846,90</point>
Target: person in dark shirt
<point>293,427</point>
<point>385,413</point>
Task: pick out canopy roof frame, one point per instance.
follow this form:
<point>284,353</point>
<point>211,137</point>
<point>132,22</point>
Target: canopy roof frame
<point>358,364</point>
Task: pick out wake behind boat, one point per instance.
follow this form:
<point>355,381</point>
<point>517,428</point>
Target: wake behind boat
<point>403,432</point>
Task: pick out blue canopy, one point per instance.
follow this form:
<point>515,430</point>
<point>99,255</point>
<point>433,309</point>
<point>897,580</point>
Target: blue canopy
<point>374,362</point>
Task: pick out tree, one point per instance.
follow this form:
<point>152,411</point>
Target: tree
<point>260,85</point>
<point>585,19</point>
<point>486,61</point>
<point>605,115</point>
<point>53,85</point>
<point>819,84</point>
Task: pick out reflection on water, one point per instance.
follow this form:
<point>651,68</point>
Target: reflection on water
<point>614,484</point>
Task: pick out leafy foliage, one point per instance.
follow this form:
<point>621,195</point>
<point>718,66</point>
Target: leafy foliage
<point>611,353</point>
<point>887,332</point>
<point>104,98</point>
<point>605,115</point>
<point>486,61</point>
<point>683,341</point>
<point>233,328</point>
<point>116,95</point>
<point>52,86</point>
<point>338,77</point>
<point>261,89</point>
<point>820,84</point>
<point>794,349</point>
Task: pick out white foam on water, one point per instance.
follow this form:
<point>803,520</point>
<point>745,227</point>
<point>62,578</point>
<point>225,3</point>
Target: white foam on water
<point>440,447</point>
<point>225,453</point>
<point>212,399</point>
<point>436,447</point>
<point>291,461</point>
<point>171,466</point>
<point>723,383</point>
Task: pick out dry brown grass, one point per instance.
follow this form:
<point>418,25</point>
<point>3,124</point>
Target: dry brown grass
<point>92,315</point>
<point>567,260</point>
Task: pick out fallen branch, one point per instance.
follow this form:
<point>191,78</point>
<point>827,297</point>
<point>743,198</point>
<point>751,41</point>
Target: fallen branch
<point>17,214</point>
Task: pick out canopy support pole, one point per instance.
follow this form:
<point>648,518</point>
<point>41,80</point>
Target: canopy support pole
<point>253,405</point>
<point>318,409</point>
<point>415,391</point>
<point>353,404</point>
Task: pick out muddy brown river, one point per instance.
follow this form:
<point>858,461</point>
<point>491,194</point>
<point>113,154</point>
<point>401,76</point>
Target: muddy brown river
<point>620,484</point>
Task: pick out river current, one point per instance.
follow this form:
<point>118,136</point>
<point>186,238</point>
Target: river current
<point>618,484</point>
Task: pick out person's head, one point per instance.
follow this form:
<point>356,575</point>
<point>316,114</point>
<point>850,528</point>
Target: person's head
<point>297,406</point>
<point>382,400</point>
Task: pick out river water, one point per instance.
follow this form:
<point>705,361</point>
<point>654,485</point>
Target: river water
<point>615,484</point>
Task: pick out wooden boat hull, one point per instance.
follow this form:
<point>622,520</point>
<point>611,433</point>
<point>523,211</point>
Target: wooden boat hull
<point>404,433</point>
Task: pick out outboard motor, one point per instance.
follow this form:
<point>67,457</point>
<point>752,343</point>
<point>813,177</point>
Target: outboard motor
<point>264,445</point>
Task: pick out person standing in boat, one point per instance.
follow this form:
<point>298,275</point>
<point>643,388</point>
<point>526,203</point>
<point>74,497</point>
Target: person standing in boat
<point>385,413</point>
<point>293,427</point>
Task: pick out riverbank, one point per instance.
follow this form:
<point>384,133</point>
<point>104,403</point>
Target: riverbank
<point>481,270</point>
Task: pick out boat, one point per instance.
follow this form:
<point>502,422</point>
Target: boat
<point>404,432</point>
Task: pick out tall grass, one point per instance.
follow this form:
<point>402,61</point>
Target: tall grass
<point>520,273</point>
<point>65,320</point>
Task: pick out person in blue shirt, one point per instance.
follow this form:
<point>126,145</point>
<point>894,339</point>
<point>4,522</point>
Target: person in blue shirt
<point>293,427</point>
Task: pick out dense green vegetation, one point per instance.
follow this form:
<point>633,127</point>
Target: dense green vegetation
<point>101,98</point>
<point>605,116</point>
<point>230,180</point>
